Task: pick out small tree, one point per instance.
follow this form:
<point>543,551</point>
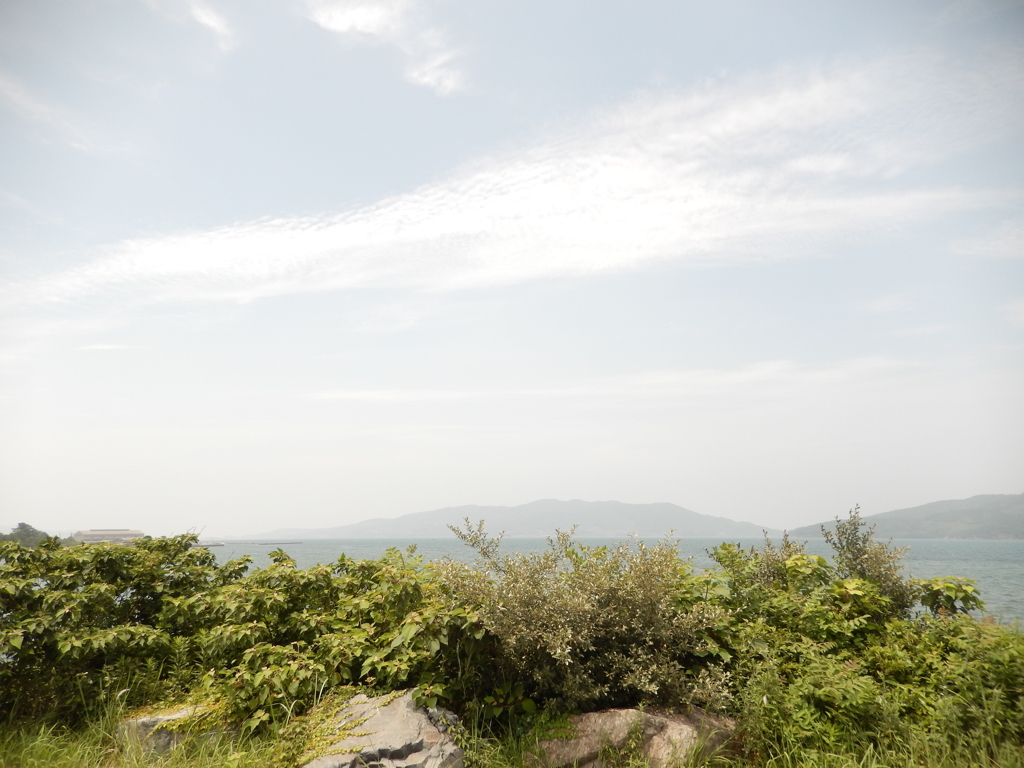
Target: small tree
<point>859,556</point>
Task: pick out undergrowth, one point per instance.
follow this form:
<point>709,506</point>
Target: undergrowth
<point>96,745</point>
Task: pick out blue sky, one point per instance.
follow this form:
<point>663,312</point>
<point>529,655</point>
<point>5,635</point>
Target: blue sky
<point>317,261</point>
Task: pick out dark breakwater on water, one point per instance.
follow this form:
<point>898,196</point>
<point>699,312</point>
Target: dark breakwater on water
<point>997,566</point>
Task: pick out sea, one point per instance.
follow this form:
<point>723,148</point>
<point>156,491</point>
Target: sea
<point>996,566</point>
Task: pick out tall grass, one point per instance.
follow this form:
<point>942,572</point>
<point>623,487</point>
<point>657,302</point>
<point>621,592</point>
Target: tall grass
<point>969,751</point>
<point>46,745</point>
<point>921,756</point>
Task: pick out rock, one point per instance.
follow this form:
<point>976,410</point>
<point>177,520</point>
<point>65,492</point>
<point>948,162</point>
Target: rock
<point>153,733</point>
<point>394,733</point>
<point>665,738</point>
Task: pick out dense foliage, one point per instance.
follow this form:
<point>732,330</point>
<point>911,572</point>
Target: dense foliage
<point>829,660</point>
<point>589,627</point>
<point>161,617</point>
<point>807,654</point>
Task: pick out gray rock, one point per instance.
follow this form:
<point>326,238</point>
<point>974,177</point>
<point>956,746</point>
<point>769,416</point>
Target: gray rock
<point>392,734</point>
<point>666,739</point>
<point>153,733</point>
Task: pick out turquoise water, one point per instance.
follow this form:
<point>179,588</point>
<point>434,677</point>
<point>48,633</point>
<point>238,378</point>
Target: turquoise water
<point>997,566</point>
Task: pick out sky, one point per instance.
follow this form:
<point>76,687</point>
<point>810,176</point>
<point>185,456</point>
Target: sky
<point>308,262</point>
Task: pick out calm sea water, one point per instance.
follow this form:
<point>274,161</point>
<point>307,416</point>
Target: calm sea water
<point>997,566</point>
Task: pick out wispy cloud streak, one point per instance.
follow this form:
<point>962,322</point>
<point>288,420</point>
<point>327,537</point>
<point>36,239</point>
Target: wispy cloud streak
<point>198,12</point>
<point>430,57</point>
<point>765,168</point>
<point>61,122</point>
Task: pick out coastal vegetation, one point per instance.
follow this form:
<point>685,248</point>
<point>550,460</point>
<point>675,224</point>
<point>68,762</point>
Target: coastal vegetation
<point>821,662</point>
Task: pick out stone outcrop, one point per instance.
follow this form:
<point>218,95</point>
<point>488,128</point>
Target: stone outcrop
<point>664,738</point>
<point>391,732</point>
<point>156,733</point>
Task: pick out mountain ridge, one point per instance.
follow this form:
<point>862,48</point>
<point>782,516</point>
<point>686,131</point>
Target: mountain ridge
<point>986,516</point>
<point>541,518</point>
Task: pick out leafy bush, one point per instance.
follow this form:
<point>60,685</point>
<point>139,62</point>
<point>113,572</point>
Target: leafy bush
<point>588,627</point>
<point>859,556</point>
<point>277,640</point>
<point>827,657</point>
<point>72,617</point>
<point>158,617</point>
<point>948,594</point>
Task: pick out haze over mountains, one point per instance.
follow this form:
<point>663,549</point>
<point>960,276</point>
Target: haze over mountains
<point>979,517</point>
<point>595,519</point>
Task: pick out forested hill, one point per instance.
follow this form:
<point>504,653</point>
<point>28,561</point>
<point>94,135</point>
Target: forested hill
<point>979,517</point>
<point>541,518</point>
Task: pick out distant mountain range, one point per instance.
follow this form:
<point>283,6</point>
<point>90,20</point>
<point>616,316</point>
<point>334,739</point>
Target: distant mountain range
<point>979,517</point>
<point>597,519</point>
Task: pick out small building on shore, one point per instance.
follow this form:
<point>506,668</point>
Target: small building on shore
<point>115,535</point>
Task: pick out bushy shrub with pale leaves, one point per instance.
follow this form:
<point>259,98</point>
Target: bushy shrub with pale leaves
<point>586,627</point>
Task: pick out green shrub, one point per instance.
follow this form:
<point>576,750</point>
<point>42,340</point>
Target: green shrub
<point>151,620</point>
<point>588,627</point>
<point>277,640</point>
<point>828,657</point>
<point>859,556</point>
<point>948,594</point>
<point>71,617</point>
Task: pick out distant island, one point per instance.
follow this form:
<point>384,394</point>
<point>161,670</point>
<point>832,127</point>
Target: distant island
<point>979,517</point>
<point>593,519</point>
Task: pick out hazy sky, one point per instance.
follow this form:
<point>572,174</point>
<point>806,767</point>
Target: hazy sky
<point>305,262</point>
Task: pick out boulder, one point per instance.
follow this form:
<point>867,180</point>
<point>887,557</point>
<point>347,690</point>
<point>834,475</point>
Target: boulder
<point>391,732</point>
<point>155,733</point>
<point>664,738</point>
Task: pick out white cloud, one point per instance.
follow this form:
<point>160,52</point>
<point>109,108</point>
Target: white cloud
<point>63,123</point>
<point>205,15</point>
<point>198,12</point>
<point>728,172</point>
<point>430,58</point>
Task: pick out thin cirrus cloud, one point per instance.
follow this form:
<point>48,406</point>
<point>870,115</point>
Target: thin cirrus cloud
<point>774,167</point>
<point>430,59</point>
